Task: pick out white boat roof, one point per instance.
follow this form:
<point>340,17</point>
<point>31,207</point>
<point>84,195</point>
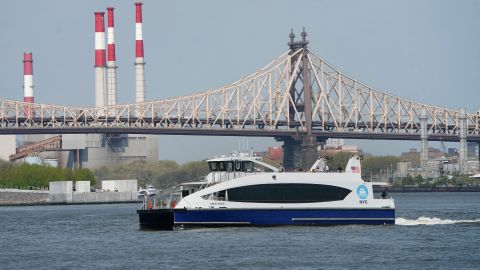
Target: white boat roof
<point>228,158</point>
<point>193,183</point>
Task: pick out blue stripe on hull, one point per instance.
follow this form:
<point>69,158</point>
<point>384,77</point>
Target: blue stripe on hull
<point>271,217</point>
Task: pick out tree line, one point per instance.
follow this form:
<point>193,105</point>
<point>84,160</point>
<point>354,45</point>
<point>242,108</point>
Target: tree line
<point>166,173</point>
<point>26,176</point>
<point>161,174</point>
<point>370,164</point>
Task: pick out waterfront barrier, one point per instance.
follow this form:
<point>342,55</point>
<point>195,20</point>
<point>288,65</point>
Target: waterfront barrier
<point>23,197</point>
<point>61,192</point>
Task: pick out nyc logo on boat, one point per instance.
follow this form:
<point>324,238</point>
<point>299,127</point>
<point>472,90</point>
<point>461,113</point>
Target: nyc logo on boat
<point>362,193</point>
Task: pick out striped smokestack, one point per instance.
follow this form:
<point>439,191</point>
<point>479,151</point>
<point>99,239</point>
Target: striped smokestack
<point>139,61</point>
<point>100,83</point>
<point>28,82</point>
<point>28,77</point>
<point>111,61</point>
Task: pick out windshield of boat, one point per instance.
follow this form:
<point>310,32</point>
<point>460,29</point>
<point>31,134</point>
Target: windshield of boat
<point>236,166</point>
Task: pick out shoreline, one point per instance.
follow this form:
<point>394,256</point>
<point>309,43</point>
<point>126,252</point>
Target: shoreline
<point>427,189</point>
<point>78,203</point>
<point>15,197</point>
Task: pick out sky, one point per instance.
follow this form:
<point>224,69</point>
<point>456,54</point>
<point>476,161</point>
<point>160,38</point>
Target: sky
<point>423,50</point>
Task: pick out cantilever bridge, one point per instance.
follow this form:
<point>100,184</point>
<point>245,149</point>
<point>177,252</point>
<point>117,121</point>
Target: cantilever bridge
<point>298,97</point>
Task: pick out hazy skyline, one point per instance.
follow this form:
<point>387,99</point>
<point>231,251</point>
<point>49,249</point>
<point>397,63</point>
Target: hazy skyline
<point>427,51</point>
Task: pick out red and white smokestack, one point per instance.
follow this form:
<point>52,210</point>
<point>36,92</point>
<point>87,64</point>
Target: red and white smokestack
<point>111,61</point>
<point>100,80</point>
<point>139,61</point>
<point>28,82</point>
<point>28,77</point>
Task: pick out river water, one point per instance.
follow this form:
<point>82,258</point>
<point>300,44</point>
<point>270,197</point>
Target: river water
<point>433,231</point>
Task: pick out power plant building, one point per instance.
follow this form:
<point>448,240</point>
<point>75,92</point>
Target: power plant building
<point>90,150</point>
<point>87,151</point>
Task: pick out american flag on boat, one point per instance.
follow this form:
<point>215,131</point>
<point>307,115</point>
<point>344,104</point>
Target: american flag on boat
<point>355,169</point>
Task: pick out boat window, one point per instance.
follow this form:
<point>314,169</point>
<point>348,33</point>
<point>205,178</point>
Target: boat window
<point>185,193</point>
<point>220,195</point>
<point>229,165</point>
<point>287,193</point>
<point>221,165</point>
<point>247,166</point>
<point>238,165</point>
<point>213,166</point>
<point>261,168</point>
<point>216,196</point>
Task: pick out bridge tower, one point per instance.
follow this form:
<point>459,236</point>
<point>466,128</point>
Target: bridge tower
<point>423,139</point>
<point>462,155</point>
<point>300,151</point>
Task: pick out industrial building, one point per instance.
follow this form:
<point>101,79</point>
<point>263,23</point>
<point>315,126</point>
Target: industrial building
<point>334,146</point>
<point>7,146</point>
<point>85,150</point>
<point>89,150</point>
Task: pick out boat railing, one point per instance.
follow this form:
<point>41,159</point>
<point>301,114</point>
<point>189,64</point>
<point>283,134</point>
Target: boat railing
<point>160,202</point>
<point>225,176</point>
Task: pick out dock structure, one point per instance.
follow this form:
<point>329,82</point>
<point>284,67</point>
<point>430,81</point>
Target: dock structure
<point>61,192</point>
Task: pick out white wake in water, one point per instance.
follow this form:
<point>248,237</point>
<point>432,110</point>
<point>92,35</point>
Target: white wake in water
<point>432,221</point>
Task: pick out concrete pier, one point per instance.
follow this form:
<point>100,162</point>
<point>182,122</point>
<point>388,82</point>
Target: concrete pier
<point>23,197</point>
<point>299,152</point>
<point>61,192</point>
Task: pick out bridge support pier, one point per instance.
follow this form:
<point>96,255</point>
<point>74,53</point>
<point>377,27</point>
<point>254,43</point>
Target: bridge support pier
<point>423,139</point>
<point>478,155</point>
<point>299,152</point>
<point>478,151</point>
<point>462,154</point>
<point>291,153</point>
<point>309,152</point>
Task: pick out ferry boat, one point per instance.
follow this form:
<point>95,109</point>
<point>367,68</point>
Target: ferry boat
<point>242,190</point>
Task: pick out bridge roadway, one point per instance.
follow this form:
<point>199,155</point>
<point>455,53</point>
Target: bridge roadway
<point>249,129</point>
